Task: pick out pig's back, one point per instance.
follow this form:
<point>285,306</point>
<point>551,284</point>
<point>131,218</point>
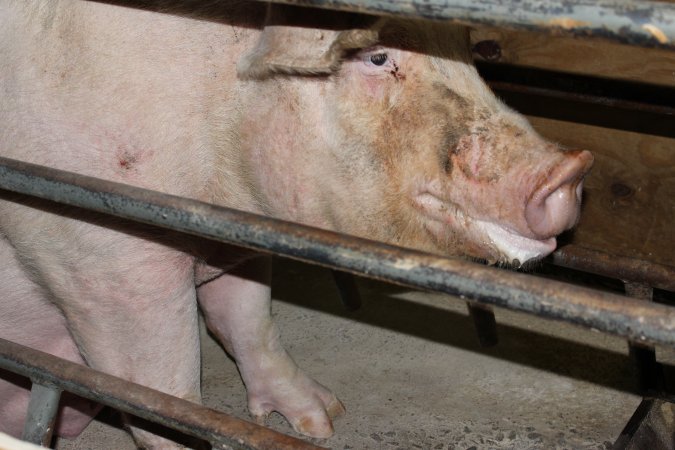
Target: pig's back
<point>123,94</point>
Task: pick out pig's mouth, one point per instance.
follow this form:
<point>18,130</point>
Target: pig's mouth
<point>516,248</point>
<point>499,243</point>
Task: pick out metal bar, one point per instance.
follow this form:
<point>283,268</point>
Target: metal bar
<point>646,23</point>
<point>649,372</point>
<point>485,323</point>
<point>349,291</point>
<point>220,429</point>
<point>636,320</point>
<point>41,416</point>
<point>613,266</point>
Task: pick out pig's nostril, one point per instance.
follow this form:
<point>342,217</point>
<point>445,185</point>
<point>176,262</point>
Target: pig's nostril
<point>554,206</point>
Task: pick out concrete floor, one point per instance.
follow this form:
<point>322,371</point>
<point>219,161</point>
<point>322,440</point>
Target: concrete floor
<point>412,376</point>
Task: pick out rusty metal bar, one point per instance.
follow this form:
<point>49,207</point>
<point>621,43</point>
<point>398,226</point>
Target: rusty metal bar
<point>646,23</point>
<point>613,266</point>
<point>636,320</point>
<point>220,429</point>
<point>41,416</point>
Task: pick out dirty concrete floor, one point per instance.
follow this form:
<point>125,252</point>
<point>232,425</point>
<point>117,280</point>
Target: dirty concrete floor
<point>412,376</point>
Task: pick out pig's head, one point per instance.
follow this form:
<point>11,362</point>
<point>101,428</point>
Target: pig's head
<point>413,148</point>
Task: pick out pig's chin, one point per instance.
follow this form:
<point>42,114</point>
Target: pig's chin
<point>493,242</point>
<point>513,248</point>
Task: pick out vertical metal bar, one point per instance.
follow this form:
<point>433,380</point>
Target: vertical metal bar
<point>485,323</point>
<point>349,291</point>
<point>41,416</point>
<point>644,356</point>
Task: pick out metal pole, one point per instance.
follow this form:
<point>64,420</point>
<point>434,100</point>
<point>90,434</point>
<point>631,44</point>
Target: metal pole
<point>634,319</point>
<point>220,429</point>
<point>349,291</point>
<point>647,23</point>
<point>649,372</point>
<point>613,266</point>
<point>41,416</point>
<point>485,323</point>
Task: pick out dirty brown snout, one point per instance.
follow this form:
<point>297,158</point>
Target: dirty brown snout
<point>554,205</point>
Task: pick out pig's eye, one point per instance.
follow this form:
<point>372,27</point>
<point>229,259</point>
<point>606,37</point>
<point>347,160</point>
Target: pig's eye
<point>376,61</point>
<point>379,59</point>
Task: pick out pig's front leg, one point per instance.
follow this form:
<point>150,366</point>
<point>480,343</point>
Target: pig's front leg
<point>237,310</point>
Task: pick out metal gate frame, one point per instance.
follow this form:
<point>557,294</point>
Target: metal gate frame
<point>51,375</point>
<point>644,323</point>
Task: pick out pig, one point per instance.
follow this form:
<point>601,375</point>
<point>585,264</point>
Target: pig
<point>376,127</point>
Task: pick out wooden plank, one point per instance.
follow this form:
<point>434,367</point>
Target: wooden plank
<point>629,198</point>
<point>594,57</point>
<point>629,204</point>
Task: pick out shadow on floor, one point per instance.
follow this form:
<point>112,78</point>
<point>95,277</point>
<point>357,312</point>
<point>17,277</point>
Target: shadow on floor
<point>382,307</point>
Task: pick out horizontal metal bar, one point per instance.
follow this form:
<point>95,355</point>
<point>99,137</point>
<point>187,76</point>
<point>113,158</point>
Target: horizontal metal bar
<point>646,23</point>
<point>190,418</point>
<point>613,266</point>
<point>639,321</point>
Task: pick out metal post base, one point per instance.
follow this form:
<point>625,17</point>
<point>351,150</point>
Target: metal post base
<point>651,427</point>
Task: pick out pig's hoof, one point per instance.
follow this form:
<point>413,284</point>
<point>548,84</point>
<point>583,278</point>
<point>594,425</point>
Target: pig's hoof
<point>308,406</point>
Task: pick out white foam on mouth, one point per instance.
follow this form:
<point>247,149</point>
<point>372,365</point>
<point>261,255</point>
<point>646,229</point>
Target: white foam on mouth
<point>515,246</point>
<point>511,245</point>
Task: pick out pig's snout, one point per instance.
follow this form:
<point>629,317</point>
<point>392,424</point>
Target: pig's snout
<point>554,206</point>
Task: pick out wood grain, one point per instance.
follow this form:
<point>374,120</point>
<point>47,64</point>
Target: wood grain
<point>629,196</point>
<point>629,204</point>
<point>583,56</point>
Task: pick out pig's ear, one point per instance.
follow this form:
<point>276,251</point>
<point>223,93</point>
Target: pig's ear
<point>289,45</point>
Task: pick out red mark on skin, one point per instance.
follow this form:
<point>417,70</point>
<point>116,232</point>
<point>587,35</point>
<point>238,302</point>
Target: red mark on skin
<point>127,161</point>
<point>396,72</point>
